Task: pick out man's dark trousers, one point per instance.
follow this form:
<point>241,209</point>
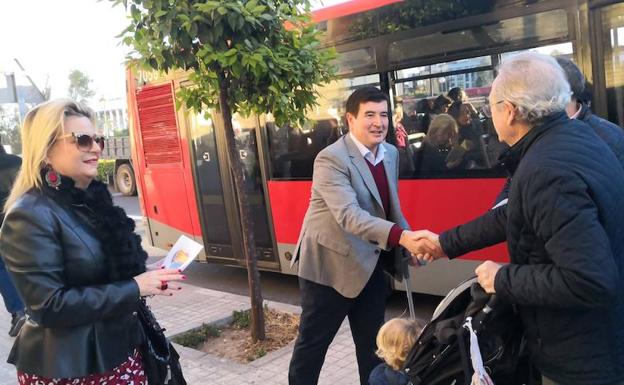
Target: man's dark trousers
<point>323,310</point>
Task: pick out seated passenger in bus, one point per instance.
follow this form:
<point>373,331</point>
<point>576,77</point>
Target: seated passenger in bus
<point>278,143</point>
<point>399,130</point>
<point>440,150</point>
<point>441,105</point>
<point>297,158</point>
<point>423,116</point>
<point>494,147</point>
<point>457,94</point>
<point>470,132</point>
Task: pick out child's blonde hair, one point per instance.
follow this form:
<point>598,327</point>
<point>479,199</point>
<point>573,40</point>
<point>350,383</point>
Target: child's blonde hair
<point>395,340</point>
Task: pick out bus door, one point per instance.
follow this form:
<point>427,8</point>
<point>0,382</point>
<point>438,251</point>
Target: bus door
<point>608,61</point>
<point>216,195</point>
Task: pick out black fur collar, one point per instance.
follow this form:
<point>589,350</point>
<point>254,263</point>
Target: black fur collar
<point>122,247</point>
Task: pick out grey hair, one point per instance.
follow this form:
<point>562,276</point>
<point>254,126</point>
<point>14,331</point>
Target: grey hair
<point>535,84</point>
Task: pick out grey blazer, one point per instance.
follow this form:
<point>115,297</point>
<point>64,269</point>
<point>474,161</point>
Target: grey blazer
<point>343,230</point>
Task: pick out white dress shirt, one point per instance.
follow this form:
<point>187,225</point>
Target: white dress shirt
<point>368,154</point>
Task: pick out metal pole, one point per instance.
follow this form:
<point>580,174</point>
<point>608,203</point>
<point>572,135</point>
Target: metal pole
<point>408,289</point>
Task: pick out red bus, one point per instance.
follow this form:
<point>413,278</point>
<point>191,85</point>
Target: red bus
<point>414,51</point>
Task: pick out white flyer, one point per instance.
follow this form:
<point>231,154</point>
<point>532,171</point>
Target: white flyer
<point>183,252</point>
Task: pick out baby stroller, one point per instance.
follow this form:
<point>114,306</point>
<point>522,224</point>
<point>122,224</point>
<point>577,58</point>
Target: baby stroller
<point>469,329</point>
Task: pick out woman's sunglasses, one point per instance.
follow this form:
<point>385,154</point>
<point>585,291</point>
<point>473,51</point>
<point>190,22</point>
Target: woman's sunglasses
<point>84,142</point>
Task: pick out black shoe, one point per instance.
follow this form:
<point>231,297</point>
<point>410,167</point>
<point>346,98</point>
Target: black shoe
<point>17,321</point>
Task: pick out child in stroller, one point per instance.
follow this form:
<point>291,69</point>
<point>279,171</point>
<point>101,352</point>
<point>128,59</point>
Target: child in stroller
<point>395,340</point>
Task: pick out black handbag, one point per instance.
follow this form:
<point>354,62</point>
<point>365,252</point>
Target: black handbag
<point>161,362</point>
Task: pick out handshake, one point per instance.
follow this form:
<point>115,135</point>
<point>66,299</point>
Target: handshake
<point>423,245</point>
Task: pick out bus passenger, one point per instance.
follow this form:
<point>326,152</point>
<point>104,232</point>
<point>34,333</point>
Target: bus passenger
<point>470,132</point>
<point>578,108</point>
<point>441,104</point>
<point>399,130</point>
<point>440,149</point>
<point>456,94</point>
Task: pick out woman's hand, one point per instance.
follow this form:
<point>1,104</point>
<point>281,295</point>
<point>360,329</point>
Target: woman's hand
<point>157,282</point>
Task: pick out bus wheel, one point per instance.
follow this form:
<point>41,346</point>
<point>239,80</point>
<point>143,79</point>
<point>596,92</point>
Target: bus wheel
<point>124,178</point>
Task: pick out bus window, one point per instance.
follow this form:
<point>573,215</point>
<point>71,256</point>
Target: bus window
<point>293,148</point>
<point>563,49</point>
<point>438,113</point>
<point>613,43</point>
<point>519,30</point>
<point>360,60</point>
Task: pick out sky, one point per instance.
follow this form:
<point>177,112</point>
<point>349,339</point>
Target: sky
<point>51,38</point>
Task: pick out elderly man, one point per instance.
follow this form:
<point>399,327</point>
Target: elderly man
<point>353,223</point>
<point>563,227</point>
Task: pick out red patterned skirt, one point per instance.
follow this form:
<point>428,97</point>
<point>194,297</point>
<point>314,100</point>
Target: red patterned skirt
<point>129,372</point>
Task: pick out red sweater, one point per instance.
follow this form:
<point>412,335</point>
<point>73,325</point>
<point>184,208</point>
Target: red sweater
<point>379,174</point>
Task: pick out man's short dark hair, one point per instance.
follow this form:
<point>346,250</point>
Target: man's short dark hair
<point>455,93</point>
<point>441,102</point>
<point>575,77</point>
<point>364,95</point>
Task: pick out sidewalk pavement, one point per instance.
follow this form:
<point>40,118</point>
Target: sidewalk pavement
<point>193,306</point>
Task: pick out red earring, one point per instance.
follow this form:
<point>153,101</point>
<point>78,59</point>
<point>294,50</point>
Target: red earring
<point>52,178</point>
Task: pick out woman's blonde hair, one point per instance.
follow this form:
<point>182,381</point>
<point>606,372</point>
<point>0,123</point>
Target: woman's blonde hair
<point>395,340</point>
<point>443,128</point>
<point>398,114</point>
<point>41,128</point>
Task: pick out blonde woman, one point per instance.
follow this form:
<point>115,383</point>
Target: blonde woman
<point>440,151</point>
<point>395,340</point>
<point>74,258</point>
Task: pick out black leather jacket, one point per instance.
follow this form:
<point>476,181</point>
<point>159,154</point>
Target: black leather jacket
<point>79,323</point>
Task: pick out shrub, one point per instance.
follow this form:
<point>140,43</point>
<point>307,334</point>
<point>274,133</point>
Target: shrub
<point>241,319</point>
<point>194,338</point>
<point>105,167</point>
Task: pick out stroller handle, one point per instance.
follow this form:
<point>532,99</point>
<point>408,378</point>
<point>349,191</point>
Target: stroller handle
<point>490,305</point>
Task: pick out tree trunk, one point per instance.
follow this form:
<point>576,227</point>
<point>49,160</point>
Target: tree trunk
<point>249,243</point>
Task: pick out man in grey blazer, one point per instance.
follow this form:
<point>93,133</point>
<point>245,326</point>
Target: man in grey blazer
<point>350,234</point>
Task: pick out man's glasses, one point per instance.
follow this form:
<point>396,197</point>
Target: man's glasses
<point>84,142</point>
<point>487,110</point>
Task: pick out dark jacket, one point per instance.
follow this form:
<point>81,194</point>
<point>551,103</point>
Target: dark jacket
<point>9,166</point>
<point>80,323</point>
<point>383,374</point>
<point>490,228</point>
<point>565,234</point>
<point>611,134</point>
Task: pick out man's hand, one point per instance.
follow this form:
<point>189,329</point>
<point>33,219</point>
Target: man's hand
<point>433,238</point>
<point>421,246</point>
<point>486,273</point>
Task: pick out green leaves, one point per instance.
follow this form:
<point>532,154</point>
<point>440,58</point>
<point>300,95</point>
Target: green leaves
<point>266,66</point>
